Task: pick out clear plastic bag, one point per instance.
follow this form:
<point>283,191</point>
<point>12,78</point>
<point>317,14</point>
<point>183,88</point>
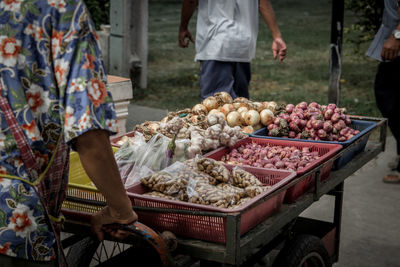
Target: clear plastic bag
<point>146,158</point>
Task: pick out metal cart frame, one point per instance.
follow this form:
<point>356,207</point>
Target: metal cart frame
<point>277,229</point>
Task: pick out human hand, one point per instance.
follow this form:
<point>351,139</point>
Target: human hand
<point>109,215</point>
<point>279,49</point>
<point>390,49</point>
<point>185,37</point>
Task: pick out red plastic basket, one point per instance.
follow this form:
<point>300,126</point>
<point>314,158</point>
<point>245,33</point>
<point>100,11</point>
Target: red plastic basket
<point>325,151</point>
<point>114,140</point>
<point>210,228</point>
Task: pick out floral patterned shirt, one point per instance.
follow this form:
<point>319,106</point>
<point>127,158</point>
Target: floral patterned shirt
<point>54,80</point>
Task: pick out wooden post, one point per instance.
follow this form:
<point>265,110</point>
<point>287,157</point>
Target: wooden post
<point>335,67</point>
<point>128,40</point>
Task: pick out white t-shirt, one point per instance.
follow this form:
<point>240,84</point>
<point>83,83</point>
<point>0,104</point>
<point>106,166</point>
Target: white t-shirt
<point>227,30</point>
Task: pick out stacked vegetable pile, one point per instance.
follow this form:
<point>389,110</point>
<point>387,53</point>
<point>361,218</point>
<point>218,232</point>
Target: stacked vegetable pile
<point>218,121</point>
<point>272,157</point>
<point>204,181</point>
<point>313,122</point>
<point>241,111</point>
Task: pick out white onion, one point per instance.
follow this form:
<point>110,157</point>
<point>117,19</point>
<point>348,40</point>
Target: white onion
<point>243,115</point>
<point>216,112</point>
<point>272,105</point>
<point>199,109</point>
<point>263,106</point>
<point>252,117</point>
<point>255,105</point>
<point>239,104</point>
<point>226,108</point>
<point>223,97</point>
<point>266,116</point>
<point>242,109</point>
<point>240,100</point>
<point>233,119</point>
<point>210,103</point>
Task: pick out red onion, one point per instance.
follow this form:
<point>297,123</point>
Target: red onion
<point>321,134</point>
<point>314,105</point>
<point>335,117</point>
<point>328,114</point>
<point>344,131</point>
<point>272,126</point>
<point>292,134</point>
<point>289,108</point>
<point>317,124</point>
<point>328,126</point>
<point>302,105</point>
<point>331,106</point>
<point>347,120</point>
<point>293,126</point>
<point>302,123</point>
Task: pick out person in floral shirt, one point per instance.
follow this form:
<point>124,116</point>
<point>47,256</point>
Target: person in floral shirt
<point>53,78</point>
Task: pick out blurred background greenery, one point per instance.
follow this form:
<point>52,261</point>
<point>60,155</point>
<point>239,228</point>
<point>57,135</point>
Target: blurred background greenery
<point>173,79</point>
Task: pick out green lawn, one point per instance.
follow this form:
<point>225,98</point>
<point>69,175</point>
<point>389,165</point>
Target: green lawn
<point>173,81</point>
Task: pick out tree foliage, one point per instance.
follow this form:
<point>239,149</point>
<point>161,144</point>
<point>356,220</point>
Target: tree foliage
<point>99,11</point>
<point>368,15</point>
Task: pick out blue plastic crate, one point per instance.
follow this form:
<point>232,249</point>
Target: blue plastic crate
<point>362,126</point>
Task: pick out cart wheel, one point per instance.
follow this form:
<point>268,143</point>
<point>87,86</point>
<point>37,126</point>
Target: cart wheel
<point>90,252</point>
<point>303,251</point>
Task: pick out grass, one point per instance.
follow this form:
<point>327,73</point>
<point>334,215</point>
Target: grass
<point>173,81</point>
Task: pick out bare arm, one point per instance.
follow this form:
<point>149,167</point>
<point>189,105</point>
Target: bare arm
<point>391,47</point>
<point>97,159</point>
<point>268,14</point>
<point>188,8</point>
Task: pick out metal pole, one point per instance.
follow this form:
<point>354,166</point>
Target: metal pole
<point>335,51</point>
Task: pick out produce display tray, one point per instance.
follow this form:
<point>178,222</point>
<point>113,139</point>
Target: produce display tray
<point>210,228</point>
<point>325,151</point>
<point>363,126</point>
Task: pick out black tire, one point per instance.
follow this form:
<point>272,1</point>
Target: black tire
<point>90,252</point>
<point>302,250</point>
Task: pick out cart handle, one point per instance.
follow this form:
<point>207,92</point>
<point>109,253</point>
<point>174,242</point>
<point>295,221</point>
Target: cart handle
<point>148,234</point>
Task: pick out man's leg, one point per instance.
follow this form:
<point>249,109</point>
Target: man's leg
<point>387,94</point>
<point>216,76</point>
<point>242,76</point>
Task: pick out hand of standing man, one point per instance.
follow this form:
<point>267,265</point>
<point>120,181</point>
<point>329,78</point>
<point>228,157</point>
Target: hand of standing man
<point>278,45</point>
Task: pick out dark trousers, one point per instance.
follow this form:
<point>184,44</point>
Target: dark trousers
<point>387,94</point>
<point>220,76</point>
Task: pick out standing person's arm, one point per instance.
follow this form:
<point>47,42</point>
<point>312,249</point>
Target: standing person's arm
<point>268,14</point>
<point>391,47</point>
<point>188,8</point>
<point>98,160</point>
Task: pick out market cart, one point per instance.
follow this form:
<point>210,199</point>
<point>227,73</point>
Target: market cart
<point>285,237</point>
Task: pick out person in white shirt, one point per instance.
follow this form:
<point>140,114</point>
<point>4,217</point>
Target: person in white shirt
<point>226,36</point>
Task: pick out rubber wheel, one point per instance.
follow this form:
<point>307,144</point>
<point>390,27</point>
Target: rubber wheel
<point>89,252</point>
<point>303,251</point>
